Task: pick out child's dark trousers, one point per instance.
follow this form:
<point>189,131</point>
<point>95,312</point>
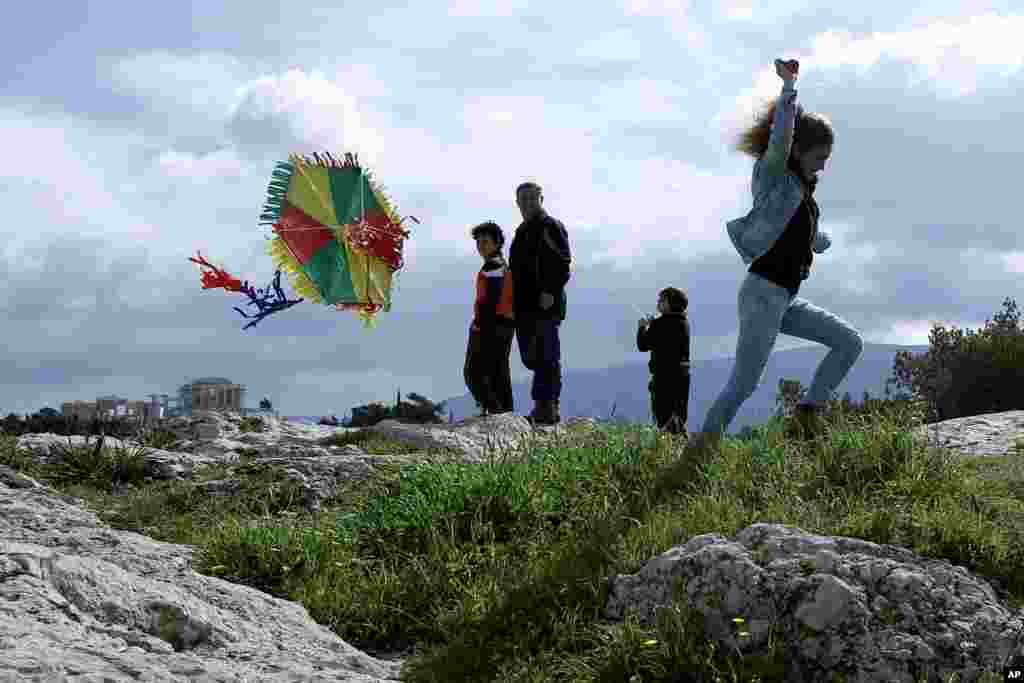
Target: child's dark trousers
<point>670,398</point>
<point>487,372</point>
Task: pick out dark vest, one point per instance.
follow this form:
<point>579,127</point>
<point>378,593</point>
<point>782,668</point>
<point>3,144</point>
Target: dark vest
<point>788,262</point>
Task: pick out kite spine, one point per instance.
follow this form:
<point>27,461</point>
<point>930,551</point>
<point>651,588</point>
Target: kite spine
<point>277,191</point>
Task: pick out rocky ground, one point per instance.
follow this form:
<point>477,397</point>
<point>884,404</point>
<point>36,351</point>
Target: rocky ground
<point>992,434</point>
<point>836,604</point>
<point>86,602</point>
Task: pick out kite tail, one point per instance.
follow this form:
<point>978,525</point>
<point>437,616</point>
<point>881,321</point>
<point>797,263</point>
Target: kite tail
<point>216,277</point>
<point>276,193</point>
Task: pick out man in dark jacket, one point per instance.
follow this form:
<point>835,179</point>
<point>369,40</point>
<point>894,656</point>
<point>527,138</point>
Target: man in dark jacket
<point>539,259</point>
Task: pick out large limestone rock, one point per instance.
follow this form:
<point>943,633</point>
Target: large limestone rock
<point>80,601</point>
<point>476,439</point>
<point>840,605</point>
<point>990,434</point>
<point>221,434</point>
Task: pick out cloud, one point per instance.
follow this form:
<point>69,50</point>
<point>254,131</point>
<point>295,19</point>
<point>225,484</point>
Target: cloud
<point>200,167</point>
<point>956,57</point>
<point>738,11</point>
<point>472,8</point>
<point>676,7</point>
<point>61,182</point>
<point>626,120</point>
<point>299,112</point>
<point>1014,262</point>
<point>202,84</point>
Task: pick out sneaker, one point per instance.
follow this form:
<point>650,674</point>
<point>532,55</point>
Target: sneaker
<point>805,423</point>
<point>704,443</point>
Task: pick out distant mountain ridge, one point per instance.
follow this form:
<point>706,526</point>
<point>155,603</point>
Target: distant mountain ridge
<point>593,393</point>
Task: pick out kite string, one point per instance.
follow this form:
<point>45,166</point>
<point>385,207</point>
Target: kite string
<point>332,226</point>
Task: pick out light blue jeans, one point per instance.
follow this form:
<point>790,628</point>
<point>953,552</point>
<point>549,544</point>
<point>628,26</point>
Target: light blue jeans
<point>766,309</point>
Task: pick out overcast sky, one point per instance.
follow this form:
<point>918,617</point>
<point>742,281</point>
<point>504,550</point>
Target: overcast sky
<point>136,133</point>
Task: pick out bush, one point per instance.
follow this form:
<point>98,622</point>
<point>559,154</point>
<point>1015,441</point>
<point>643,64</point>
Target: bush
<point>964,374</point>
<point>419,410</point>
<point>252,423</point>
<point>101,467</point>
<point>161,439</point>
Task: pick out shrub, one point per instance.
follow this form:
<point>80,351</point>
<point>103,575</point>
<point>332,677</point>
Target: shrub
<point>251,423</point>
<point>418,409</point>
<point>967,374</point>
<point>101,467</point>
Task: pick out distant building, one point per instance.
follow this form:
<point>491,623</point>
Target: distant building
<point>83,410</point>
<point>166,405</point>
<point>207,393</point>
<point>212,393</point>
<point>110,407</point>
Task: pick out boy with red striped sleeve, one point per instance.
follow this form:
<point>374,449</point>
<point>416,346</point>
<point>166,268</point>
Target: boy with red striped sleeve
<point>486,371</point>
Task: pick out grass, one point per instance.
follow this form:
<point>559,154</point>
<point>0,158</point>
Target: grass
<point>499,571</point>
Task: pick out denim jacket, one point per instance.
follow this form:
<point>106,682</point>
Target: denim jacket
<point>777,191</point>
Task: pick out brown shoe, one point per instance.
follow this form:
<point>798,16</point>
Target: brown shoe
<point>805,423</point>
<point>704,444</point>
<point>686,470</point>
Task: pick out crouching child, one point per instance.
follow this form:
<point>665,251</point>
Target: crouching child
<point>667,337</point>
<point>486,371</point>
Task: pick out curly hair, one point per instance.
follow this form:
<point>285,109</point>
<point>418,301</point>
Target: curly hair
<point>492,230</point>
<point>810,130</point>
<point>677,301</point>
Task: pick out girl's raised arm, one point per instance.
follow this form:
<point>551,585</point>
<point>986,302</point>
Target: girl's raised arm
<point>780,141</point>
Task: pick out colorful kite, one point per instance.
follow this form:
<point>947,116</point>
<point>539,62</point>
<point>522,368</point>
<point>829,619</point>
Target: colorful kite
<point>337,235</point>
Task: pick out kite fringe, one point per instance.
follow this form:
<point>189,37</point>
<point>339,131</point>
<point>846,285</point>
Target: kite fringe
<point>277,190</point>
<point>283,260</point>
<point>382,198</point>
<point>325,160</point>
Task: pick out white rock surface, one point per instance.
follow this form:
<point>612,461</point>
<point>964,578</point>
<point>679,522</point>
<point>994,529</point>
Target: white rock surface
<point>875,613</point>
<point>990,434</point>
<point>82,602</point>
<point>477,439</point>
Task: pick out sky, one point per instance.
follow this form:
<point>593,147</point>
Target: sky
<point>135,134</point>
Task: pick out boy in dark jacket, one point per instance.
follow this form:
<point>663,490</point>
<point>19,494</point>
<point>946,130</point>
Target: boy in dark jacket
<point>668,339</point>
<point>486,370</point>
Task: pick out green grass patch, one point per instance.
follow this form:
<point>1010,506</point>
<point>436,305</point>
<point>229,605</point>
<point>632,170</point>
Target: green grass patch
<point>251,423</point>
<point>371,442</point>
